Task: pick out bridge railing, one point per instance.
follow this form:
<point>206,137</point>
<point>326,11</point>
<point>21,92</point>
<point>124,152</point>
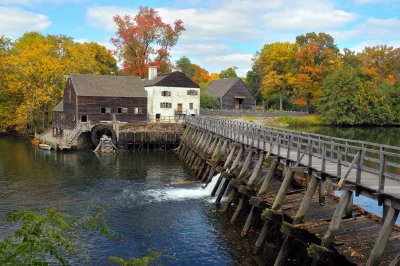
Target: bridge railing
<point>380,159</point>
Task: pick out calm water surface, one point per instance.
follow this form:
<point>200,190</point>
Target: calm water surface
<point>144,208</point>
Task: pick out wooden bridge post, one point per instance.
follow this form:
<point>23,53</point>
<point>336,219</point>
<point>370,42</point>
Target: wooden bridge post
<point>322,189</point>
<point>299,218</point>
<point>337,218</point>
<point>264,188</point>
<point>216,159</point>
<point>279,199</point>
<point>226,181</point>
<point>249,186</point>
<point>382,160</point>
<point>383,237</point>
<point>227,162</point>
<point>233,195</point>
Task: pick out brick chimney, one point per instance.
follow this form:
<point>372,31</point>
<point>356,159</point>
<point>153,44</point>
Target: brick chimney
<point>152,72</point>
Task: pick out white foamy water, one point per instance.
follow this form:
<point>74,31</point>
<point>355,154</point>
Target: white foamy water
<point>176,194</point>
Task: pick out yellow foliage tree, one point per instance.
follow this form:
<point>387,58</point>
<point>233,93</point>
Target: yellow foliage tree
<point>277,62</point>
<point>32,76</point>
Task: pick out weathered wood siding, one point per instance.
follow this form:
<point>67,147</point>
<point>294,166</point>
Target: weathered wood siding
<point>66,118</point>
<point>91,106</point>
<point>238,89</point>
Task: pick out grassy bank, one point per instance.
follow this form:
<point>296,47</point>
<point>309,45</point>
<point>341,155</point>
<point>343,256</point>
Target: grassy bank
<point>310,120</point>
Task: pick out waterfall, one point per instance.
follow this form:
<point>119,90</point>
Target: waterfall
<point>176,194</point>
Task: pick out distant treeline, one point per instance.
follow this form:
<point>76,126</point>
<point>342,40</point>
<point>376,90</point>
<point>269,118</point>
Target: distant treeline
<point>344,87</point>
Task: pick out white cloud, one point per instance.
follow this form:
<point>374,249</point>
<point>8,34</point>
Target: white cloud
<point>365,2</point>
<point>308,18</point>
<point>102,17</point>
<point>33,2</point>
<point>241,61</point>
<point>14,22</point>
<point>372,30</point>
<point>200,49</point>
<point>215,31</point>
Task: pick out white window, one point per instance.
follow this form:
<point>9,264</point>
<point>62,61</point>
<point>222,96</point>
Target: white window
<point>105,110</point>
<point>137,110</point>
<point>165,93</point>
<point>192,92</point>
<point>122,110</point>
<point>166,105</point>
<point>191,106</point>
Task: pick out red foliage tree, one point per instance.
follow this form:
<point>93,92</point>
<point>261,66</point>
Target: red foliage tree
<point>144,40</point>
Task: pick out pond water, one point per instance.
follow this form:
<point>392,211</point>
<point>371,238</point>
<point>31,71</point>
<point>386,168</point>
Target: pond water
<point>144,208</point>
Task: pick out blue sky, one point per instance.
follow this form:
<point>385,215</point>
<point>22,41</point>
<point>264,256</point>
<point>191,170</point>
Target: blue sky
<point>220,33</point>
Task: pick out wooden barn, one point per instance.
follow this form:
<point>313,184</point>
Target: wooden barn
<point>232,93</point>
<point>95,98</point>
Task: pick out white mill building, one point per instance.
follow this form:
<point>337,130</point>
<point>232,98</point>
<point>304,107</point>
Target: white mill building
<point>171,95</point>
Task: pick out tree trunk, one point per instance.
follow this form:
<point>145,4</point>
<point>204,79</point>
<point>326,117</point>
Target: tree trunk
<point>281,101</point>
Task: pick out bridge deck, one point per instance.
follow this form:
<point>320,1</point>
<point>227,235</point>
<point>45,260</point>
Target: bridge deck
<point>360,167</point>
<point>377,166</point>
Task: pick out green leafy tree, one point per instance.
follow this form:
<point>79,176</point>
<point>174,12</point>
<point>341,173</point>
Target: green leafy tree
<point>339,103</point>
<point>186,66</point>
<point>254,83</point>
<point>48,235</point>
<point>207,101</point>
<point>230,72</point>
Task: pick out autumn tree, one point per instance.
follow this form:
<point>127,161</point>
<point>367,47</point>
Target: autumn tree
<point>380,63</point>
<point>144,40</point>
<point>318,56</point>
<point>32,77</point>
<point>277,63</point>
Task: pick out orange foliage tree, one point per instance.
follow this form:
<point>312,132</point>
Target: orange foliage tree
<point>144,40</point>
<point>317,57</point>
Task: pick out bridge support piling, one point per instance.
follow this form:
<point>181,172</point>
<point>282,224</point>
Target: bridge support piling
<point>299,218</point>
<point>263,189</point>
<point>248,188</point>
<point>228,175</point>
<point>383,237</point>
<point>280,197</point>
<point>234,193</point>
<point>227,162</point>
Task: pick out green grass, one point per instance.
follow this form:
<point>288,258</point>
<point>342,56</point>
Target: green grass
<point>310,120</point>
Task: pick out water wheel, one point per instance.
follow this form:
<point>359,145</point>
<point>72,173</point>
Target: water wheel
<point>100,130</point>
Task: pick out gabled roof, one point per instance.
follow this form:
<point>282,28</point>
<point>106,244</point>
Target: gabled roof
<point>107,85</point>
<point>59,107</point>
<point>174,79</point>
<point>219,87</point>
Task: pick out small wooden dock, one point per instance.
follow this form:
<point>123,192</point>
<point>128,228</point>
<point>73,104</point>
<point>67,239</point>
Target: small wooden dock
<point>287,180</point>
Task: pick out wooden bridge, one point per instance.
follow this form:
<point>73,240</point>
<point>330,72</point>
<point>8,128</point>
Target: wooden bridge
<point>334,228</point>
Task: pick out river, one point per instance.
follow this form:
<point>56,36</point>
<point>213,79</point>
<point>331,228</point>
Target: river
<point>144,208</point>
